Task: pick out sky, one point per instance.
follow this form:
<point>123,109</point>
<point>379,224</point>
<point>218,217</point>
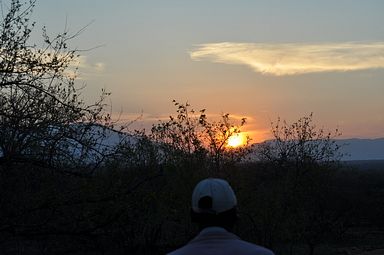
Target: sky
<point>260,59</point>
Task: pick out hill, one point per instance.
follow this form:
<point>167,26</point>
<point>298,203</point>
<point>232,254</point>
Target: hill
<point>362,149</point>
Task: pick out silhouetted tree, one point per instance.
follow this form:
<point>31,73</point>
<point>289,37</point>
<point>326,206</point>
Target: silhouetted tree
<point>46,132</point>
<point>192,136</point>
<point>301,143</point>
<point>304,159</point>
<point>43,119</point>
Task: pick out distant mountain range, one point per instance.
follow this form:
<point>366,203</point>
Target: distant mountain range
<point>352,149</point>
<point>356,149</point>
<point>362,149</point>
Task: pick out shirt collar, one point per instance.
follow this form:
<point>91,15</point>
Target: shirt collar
<point>209,230</point>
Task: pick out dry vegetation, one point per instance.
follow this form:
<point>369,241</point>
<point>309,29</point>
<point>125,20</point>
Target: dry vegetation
<point>63,192</point>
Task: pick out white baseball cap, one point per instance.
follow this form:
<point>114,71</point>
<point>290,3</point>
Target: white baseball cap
<point>213,196</point>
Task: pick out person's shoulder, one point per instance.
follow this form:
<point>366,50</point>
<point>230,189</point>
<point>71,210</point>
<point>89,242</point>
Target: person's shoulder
<point>240,247</point>
<point>220,242</point>
<point>173,253</point>
<point>252,249</point>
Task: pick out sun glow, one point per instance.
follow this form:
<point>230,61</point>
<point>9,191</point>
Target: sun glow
<point>237,140</point>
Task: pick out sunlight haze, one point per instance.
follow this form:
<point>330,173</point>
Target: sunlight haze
<point>255,59</point>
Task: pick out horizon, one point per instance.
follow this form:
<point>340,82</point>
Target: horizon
<point>260,60</point>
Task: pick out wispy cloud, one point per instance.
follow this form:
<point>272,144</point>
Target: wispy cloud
<point>86,66</point>
<point>47,57</point>
<point>82,68</point>
<point>294,58</point>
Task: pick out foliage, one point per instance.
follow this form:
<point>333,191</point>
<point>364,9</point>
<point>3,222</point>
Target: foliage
<point>192,136</point>
<point>40,105</point>
<point>304,159</point>
<point>181,134</point>
<point>300,143</point>
<point>138,200</point>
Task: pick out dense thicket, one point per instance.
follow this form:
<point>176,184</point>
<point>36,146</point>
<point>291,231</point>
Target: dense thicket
<point>145,209</point>
<point>63,190</point>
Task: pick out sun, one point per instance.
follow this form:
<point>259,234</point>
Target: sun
<point>236,140</point>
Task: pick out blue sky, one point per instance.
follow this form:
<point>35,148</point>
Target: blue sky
<point>146,58</point>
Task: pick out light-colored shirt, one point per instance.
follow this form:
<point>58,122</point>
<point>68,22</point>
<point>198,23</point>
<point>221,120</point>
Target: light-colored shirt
<point>216,240</point>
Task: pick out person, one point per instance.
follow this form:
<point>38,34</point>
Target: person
<point>214,209</point>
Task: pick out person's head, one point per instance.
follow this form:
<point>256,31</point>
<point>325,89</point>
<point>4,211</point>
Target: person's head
<point>214,204</point>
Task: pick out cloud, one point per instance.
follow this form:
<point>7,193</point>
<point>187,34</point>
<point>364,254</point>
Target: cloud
<point>79,67</point>
<point>294,58</point>
<point>86,66</point>
<point>82,68</point>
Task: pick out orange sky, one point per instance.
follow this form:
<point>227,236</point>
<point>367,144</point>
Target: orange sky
<point>255,59</point>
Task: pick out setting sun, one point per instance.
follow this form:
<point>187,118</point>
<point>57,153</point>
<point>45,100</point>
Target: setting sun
<point>237,140</point>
